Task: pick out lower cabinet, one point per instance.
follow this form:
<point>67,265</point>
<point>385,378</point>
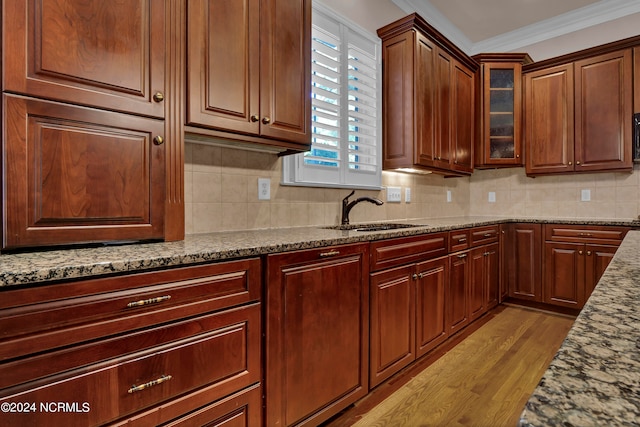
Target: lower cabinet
<point>575,258</point>
<point>317,324</point>
<point>136,350</point>
<point>457,296</point>
<point>484,279</point>
<point>407,315</point>
<point>522,261</point>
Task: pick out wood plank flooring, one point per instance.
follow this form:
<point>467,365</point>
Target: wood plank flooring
<point>484,380</point>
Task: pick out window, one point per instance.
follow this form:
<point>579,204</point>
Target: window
<point>345,107</point>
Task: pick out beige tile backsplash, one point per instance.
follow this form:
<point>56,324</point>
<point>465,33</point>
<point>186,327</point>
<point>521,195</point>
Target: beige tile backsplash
<point>221,193</point>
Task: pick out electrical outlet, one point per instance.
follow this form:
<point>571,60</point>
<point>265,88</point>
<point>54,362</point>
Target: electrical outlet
<point>264,189</point>
<point>394,194</point>
<point>407,195</point>
<point>492,196</point>
<point>586,195</point>
<point>448,196</point>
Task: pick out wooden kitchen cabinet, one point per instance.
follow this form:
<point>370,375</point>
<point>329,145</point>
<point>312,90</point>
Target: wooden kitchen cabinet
<point>578,113</point>
<point>407,308</point>
<point>249,70</point>
<point>457,296</point>
<point>522,261</point>
<point>500,110</point>
<point>428,99</point>
<point>317,333</point>
<point>79,175</point>
<point>575,259</point>
<point>484,279</point>
<point>100,54</point>
<point>136,349</point>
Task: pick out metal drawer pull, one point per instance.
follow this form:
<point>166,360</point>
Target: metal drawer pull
<point>148,301</point>
<point>462,256</point>
<point>462,240</point>
<point>586,234</point>
<point>141,387</point>
<point>488,235</point>
<point>330,253</point>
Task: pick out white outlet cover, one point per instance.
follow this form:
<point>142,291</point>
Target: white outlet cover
<point>449,196</point>
<point>586,195</point>
<point>407,195</point>
<point>394,194</point>
<point>264,189</point>
<point>492,196</point>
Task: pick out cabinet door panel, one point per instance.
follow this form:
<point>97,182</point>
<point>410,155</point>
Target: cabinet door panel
<point>317,327</point>
<point>477,280</point>
<point>603,110</point>
<point>445,109</point>
<point>564,266</point>
<point>463,120</point>
<point>224,69</point>
<point>76,175</point>
<point>285,69</point>
<point>523,261</point>
<point>598,258</point>
<point>457,293</point>
<point>431,327</point>
<point>492,275</point>
<point>392,330</point>
<point>102,54</point>
<point>549,104</point>
<point>425,101</point>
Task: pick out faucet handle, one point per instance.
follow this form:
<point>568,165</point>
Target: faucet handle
<point>346,199</point>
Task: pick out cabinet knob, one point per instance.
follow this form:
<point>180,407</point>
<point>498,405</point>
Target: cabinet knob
<point>580,252</point>
<point>588,252</point>
<point>158,96</point>
<point>517,156</point>
<point>255,118</point>
<point>577,163</point>
<point>570,163</point>
<point>158,140</point>
<point>415,276</point>
<point>266,120</point>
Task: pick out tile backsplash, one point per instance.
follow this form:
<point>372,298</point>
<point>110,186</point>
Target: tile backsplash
<point>221,193</point>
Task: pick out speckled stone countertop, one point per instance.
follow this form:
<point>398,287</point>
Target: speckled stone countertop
<point>40,266</point>
<point>594,379</point>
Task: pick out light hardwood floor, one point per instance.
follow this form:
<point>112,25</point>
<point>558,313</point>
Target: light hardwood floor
<point>484,380</point>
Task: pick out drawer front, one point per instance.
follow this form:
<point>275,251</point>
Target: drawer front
<point>484,235</point>
<point>123,304</point>
<point>581,233</point>
<point>459,240</point>
<point>221,349</point>
<point>395,252</point>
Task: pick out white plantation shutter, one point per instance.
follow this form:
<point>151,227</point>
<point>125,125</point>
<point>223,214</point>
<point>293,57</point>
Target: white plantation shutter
<point>345,70</point>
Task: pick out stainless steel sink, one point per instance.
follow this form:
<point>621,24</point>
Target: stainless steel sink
<point>373,227</point>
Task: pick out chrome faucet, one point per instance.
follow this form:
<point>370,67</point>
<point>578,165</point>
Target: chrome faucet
<point>346,206</point>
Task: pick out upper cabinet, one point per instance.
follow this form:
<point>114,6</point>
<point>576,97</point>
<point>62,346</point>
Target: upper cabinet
<point>579,112</point>
<point>428,100</point>
<point>500,110</point>
<point>103,54</point>
<point>249,74</point>
<point>83,126</point>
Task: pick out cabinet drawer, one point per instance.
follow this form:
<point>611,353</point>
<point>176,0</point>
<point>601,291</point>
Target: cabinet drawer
<point>57,315</point>
<point>459,240</point>
<point>581,233</point>
<point>391,253</point>
<point>484,235</point>
<point>141,370</point>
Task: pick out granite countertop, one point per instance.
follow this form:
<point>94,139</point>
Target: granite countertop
<point>594,379</point>
<point>41,266</point>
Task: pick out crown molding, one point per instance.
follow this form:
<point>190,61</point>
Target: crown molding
<point>576,20</point>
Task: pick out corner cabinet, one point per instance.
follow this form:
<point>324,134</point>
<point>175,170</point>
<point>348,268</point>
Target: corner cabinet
<point>249,70</point>
<point>83,134</point>
<point>579,113</point>
<point>522,261</point>
<point>316,333</point>
<point>428,100</point>
<point>500,110</point>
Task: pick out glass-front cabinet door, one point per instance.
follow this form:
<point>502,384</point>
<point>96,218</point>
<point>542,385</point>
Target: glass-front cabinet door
<point>501,110</point>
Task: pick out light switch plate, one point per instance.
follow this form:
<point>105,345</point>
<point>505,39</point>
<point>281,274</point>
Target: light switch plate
<point>407,195</point>
<point>586,195</point>
<point>449,196</point>
<point>394,194</point>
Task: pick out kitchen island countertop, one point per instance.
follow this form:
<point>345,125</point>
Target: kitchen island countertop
<point>594,379</point>
<point>39,266</point>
